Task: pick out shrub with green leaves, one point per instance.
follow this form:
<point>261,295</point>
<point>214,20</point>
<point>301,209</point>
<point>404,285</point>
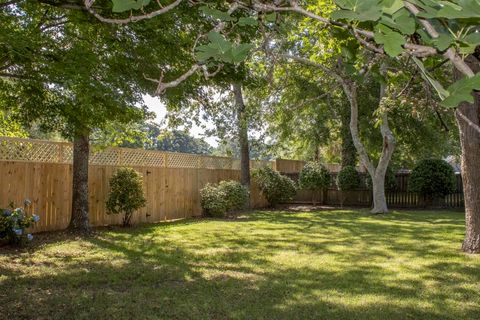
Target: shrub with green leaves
<point>14,221</point>
<point>432,178</point>
<point>236,194</point>
<point>226,196</point>
<point>314,176</point>
<point>348,179</point>
<point>126,194</point>
<point>213,200</point>
<point>390,180</point>
<point>275,187</point>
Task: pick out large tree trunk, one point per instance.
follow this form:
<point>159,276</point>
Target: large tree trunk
<point>468,119</point>
<point>79,221</point>
<point>376,173</point>
<point>242,120</point>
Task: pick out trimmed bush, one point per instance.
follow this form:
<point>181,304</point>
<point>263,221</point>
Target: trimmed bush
<point>348,179</point>
<point>226,196</point>
<point>236,194</point>
<point>14,221</point>
<point>126,194</point>
<point>314,176</point>
<point>432,178</point>
<point>390,180</point>
<point>275,187</point>
<point>213,201</point>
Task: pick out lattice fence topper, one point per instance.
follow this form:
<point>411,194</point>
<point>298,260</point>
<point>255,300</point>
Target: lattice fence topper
<point>62,152</point>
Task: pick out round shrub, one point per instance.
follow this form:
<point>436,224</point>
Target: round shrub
<point>348,178</point>
<point>236,194</point>
<point>432,178</point>
<point>218,199</point>
<point>213,201</point>
<point>126,194</point>
<point>390,180</point>
<point>275,187</point>
<point>314,176</point>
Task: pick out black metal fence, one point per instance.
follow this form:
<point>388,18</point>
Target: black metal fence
<point>397,197</point>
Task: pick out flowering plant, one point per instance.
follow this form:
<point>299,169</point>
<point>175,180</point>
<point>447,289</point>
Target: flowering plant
<point>14,221</point>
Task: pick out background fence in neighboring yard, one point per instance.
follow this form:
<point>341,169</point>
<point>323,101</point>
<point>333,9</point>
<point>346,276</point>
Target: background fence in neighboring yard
<point>399,197</point>
<point>42,172</point>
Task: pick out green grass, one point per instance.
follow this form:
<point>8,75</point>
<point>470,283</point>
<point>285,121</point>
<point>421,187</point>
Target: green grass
<point>266,265</point>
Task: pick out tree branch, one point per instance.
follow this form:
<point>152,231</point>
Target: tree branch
<point>451,53</point>
<point>413,49</point>
<point>162,86</point>
<point>162,10</point>
<point>472,124</point>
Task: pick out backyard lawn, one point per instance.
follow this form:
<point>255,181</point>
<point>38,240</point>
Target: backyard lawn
<point>264,265</point>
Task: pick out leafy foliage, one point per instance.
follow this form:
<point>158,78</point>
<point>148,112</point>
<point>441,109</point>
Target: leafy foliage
<point>220,49</point>
<point>348,178</point>
<point>432,178</point>
<point>9,127</point>
<point>390,180</point>
<point>125,5</point>
<point>213,201</point>
<point>314,176</point>
<point>181,141</point>
<point>392,23</point>
<point>275,187</point>
<point>226,196</point>
<point>13,223</point>
<point>462,91</point>
<point>236,194</point>
<point>126,194</point>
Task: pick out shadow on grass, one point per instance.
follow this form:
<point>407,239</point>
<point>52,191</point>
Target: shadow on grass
<point>271,265</point>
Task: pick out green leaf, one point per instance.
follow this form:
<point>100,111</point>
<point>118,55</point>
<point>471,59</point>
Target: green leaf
<point>218,41</point>
<point>361,10</point>
<point>392,41</point>
<point>392,6</point>
<point>344,14</point>
<point>271,17</point>
<point>443,41</point>
<point>429,8</point>
<point>463,9</point>
<point>125,5</point>
<point>240,52</point>
<point>247,21</point>
<point>216,14</point>
<point>206,52</point>
<point>404,22</point>
<point>469,43</point>
<point>442,93</point>
<point>472,38</point>
<point>461,91</point>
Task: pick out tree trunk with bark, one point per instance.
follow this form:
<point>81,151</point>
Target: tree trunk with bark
<point>468,120</point>
<point>242,122</point>
<point>376,173</point>
<point>79,221</point>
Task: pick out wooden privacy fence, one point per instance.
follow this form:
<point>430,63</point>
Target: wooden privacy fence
<point>42,172</point>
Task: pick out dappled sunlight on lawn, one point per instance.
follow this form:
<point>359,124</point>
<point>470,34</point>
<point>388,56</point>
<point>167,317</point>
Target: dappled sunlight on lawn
<point>326,264</point>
